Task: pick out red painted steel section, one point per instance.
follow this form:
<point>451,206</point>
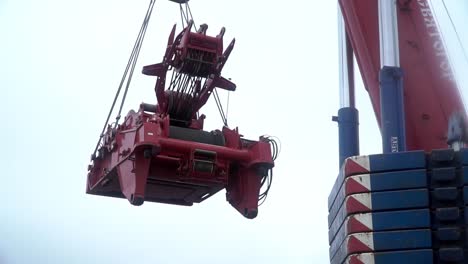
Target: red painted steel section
<point>354,186</point>
<point>431,93</point>
<point>353,225</point>
<point>140,162</point>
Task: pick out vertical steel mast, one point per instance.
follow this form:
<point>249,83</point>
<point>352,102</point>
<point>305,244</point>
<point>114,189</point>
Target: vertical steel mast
<point>391,80</point>
<point>348,116</point>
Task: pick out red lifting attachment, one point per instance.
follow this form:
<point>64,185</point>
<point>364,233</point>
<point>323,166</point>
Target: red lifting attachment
<point>161,153</point>
<point>194,57</point>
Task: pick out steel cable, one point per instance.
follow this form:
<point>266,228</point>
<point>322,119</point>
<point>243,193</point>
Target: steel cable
<point>130,66</point>
<point>456,31</point>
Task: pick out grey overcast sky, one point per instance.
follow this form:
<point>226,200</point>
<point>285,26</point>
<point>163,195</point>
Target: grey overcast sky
<point>61,62</point>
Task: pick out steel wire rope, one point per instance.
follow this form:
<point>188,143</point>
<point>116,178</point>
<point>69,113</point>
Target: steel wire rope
<point>180,95</point>
<point>130,66</point>
<point>183,86</point>
<point>135,58</point>
<point>190,12</point>
<point>456,31</point>
<point>446,50</point>
<point>182,15</point>
<point>227,104</point>
<point>185,15</point>
<point>220,107</point>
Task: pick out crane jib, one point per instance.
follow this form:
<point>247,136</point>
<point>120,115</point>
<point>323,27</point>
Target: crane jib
<point>430,94</point>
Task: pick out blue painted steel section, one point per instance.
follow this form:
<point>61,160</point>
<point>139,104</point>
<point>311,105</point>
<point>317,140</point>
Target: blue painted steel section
<point>399,180</point>
<point>387,181</point>
<point>423,256</point>
<point>385,162</point>
<point>394,200</point>
<point>392,110</point>
<point>401,219</point>
<point>402,239</point>
<point>348,132</point>
<point>466,215</point>
<point>464,156</point>
<point>397,161</point>
<point>465,195</point>
<point>465,175</point>
<point>385,221</point>
<point>389,240</point>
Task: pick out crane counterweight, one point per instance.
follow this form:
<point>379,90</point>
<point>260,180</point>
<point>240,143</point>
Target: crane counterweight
<point>409,204</point>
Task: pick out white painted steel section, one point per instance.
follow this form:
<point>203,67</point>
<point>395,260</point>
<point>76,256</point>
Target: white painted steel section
<point>367,258</point>
<point>363,198</point>
<point>365,219</point>
<point>388,32</point>
<point>364,180</point>
<point>363,161</point>
<point>366,239</point>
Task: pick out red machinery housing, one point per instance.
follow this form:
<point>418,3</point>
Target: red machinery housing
<point>161,153</point>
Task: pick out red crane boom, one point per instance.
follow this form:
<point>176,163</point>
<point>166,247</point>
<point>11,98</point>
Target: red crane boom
<point>431,95</point>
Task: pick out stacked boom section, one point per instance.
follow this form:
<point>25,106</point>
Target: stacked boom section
<point>406,207</point>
